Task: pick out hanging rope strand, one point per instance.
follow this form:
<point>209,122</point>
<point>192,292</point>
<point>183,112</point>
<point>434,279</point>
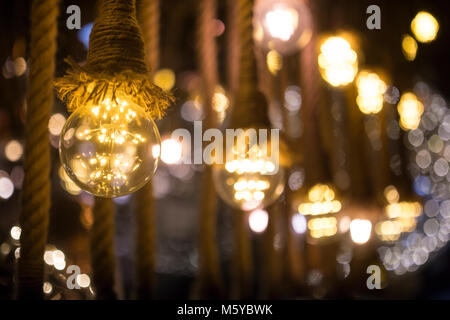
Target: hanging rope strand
<point>145,213</point>
<point>250,108</point>
<point>102,249</point>
<point>149,20</point>
<point>210,283</point>
<point>34,217</point>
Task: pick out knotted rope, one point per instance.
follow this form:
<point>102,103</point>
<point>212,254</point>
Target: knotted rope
<point>210,283</point>
<point>102,249</point>
<point>34,217</point>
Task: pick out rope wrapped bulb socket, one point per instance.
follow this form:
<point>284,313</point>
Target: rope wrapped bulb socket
<point>110,145</point>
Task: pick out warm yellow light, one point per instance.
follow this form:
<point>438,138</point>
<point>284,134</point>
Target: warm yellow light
<point>389,230</point>
<point>171,151</point>
<point>338,62</point>
<point>56,123</point>
<point>409,47</point>
<point>322,227</point>
<point>274,62</point>
<point>425,27</point>
<point>13,150</point>
<point>16,232</point>
<point>391,194</point>
<point>281,23</point>
<point>165,79</point>
<point>410,110</point>
<point>322,201</point>
<point>107,148</point>
<point>360,230</point>
<point>258,220</point>
<point>371,91</point>
<point>249,178</point>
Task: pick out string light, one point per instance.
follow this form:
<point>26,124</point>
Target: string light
<point>425,27</point>
<point>371,91</point>
<point>338,62</point>
<point>107,148</point>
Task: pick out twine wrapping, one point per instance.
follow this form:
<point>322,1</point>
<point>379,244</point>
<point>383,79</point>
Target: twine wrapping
<point>102,249</point>
<point>34,217</point>
<point>210,282</point>
<point>115,61</point>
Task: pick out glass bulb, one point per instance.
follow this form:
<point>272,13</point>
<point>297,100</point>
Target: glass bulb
<point>249,178</point>
<point>110,149</point>
<point>282,25</point>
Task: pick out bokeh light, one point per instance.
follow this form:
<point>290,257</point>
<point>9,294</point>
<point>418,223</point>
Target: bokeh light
<point>371,91</point>
<point>338,62</point>
<point>258,220</point>
<point>424,27</point>
<point>360,230</point>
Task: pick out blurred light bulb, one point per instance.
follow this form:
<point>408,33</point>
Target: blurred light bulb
<point>425,27</point>
<point>258,220</point>
<point>107,148</point>
<point>371,91</point>
<point>249,178</point>
<point>338,62</point>
<point>360,230</point>
<point>282,25</point>
<point>299,223</point>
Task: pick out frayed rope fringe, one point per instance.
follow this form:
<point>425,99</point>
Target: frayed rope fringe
<point>80,86</point>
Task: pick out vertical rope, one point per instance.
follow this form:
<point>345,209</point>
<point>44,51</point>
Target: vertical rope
<point>145,212</point>
<point>34,217</point>
<point>310,84</point>
<point>232,47</point>
<point>149,20</point>
<point>210,283</point>
<point>102,249</point>
<point>250,108</point>
<point>242,258</point>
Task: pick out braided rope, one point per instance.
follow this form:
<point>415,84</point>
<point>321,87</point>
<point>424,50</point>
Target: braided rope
<point>149,20</point>
<point>232,47</point>
<point>145,213</point>
<point>310,84</point>
<point>34,217</point>
<point>210,283</point>
<point>102,249</point>
<point>251,106</point>
<point>145,242</point>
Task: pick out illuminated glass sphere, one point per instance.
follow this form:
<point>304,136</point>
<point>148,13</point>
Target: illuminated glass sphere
<point>282,25</point>
<point>111,148</point>
<point>249,177</point>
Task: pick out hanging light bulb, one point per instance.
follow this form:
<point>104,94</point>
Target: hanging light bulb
<point>108,148</point>
<point>282,25</point>
<point>249,178</point>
